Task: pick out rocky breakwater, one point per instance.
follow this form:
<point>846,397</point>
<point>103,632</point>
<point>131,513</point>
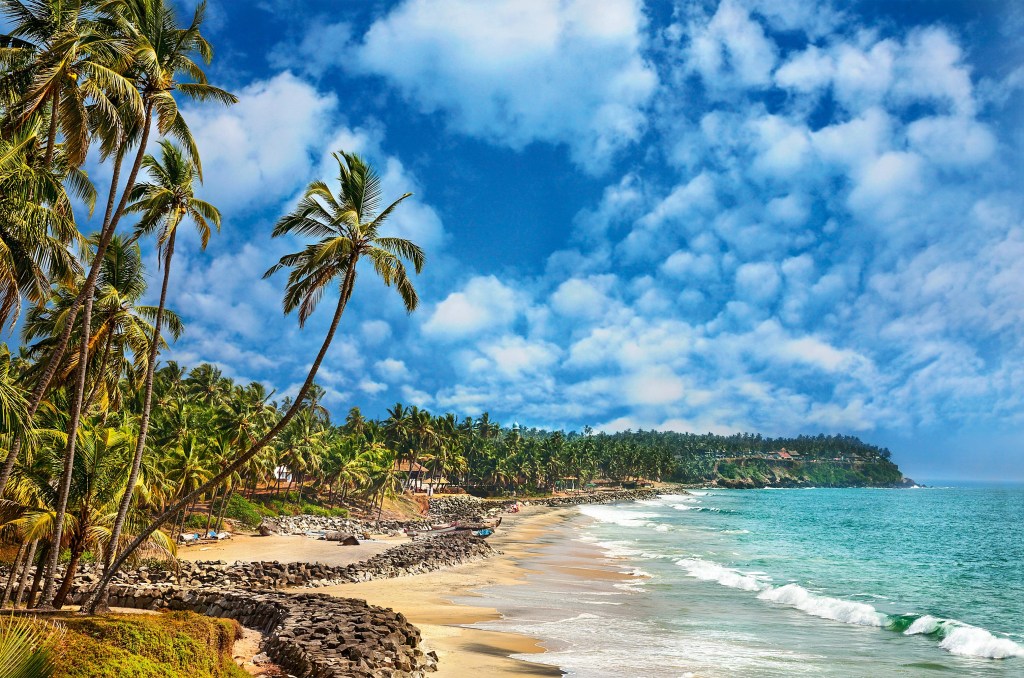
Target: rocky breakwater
<point>604,497</point>
<point>460,507</point>
<point>305,524</point>
<point>308,635</point>
<point>411,558</point>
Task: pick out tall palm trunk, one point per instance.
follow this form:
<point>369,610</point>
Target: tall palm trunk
<point>46,598</point>
<point>243,459</point>
<point>53,362</point>
<point>225,500</point>
<point>51,137</point>
<point>40,568</point>
<point>147,409</point>
<point>24,572</point>
<point>209,513</point>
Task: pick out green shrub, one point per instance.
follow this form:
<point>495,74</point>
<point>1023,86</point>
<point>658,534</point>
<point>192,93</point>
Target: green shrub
<point>169,645</point>
<point>243,511</point>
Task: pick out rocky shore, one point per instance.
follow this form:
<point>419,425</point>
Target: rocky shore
<point>317,636</point>
<point>309,635</point>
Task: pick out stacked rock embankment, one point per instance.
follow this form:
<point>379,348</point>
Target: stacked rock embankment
<point>459,507</point>
<point>411,558</point>
<point>310,635</point>
<point>304,524</point>
<point>604,497</point>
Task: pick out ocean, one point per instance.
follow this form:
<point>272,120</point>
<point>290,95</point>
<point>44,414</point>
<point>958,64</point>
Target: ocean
<point>800,582</point>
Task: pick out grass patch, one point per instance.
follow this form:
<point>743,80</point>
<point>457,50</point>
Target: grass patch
<point>168,645</point>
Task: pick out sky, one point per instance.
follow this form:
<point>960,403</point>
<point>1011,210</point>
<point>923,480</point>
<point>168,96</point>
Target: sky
<point>780,216</point>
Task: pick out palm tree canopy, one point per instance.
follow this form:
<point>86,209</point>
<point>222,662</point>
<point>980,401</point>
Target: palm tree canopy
<point>347,227</point>
<point>169,197</point>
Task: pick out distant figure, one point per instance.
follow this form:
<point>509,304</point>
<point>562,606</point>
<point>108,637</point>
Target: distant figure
<point>430,491</point>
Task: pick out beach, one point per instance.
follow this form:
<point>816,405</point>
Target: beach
<point>428,600</point>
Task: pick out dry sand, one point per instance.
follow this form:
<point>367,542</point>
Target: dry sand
<point>287,549</point>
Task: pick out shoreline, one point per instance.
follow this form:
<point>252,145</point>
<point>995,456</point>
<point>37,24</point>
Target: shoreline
<point>428,601</point>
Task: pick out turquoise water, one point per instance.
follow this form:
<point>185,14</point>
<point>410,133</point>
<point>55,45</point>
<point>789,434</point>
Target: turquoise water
<point>838,582</point>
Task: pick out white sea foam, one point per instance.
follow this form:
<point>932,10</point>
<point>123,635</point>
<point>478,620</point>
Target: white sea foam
<point>662,528</point>
<point>971,641</point>
<point>824,606</point>
<point>619,549</point>
<point>683,507</point>
<point>965,640</point>
<point>735,531</point>
<point>677,497</point>
<point>708,571</point>
<point>924,624</point>
<point>618,516</point>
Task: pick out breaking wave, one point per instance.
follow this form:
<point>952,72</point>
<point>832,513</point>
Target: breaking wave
<point>953,636</point>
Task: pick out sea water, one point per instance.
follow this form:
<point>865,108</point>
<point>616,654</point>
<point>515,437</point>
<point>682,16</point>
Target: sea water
<point>801,582</point>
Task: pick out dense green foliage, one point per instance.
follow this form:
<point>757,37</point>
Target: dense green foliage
<point>807,460</point>
<point>168,645</point>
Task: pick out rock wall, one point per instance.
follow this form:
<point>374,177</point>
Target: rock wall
<point>362,529</point>
<point>410,558</point>
<point>308,635</point>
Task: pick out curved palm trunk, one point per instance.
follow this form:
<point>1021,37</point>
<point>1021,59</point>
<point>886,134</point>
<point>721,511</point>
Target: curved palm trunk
<point>243,459</point>
<point>147,409</point>
<point>46,599</point>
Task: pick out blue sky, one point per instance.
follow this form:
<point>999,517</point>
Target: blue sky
<point>765,215</point>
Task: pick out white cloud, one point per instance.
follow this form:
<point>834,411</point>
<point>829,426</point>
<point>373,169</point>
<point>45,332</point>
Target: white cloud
<point>485,304</point>
<point>584,298</point>
<point>953,141</point>
<point>731,49</point>
<point>371,387</point>
<point>392,370</point>
<point>321,48</point>
<point>375,331</point>
<point>261,150</point>
<point>518,71</point>
<point>653,387</point>
<point>757,282</point>
<point>513,356</point>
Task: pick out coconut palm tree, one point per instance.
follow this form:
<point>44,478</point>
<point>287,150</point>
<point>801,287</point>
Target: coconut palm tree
<point>164,204</point>
<point>73,65</point>
<point>347,227</point>
<point>160,53</point>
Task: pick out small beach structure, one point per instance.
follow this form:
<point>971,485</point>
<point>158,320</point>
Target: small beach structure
<point>416,474</point>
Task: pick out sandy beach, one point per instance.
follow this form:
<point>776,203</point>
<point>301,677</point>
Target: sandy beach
<point>427,599</point>
<point>288,548</point>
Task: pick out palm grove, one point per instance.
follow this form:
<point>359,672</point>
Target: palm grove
<point>100,448</point>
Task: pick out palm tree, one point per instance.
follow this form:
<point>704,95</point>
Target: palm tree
<point>26,650</point>
<point>164,204</point>
<point>160,51</point>
<point>347,226</point>
<point>73,62</point>
<point>36,224</point>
